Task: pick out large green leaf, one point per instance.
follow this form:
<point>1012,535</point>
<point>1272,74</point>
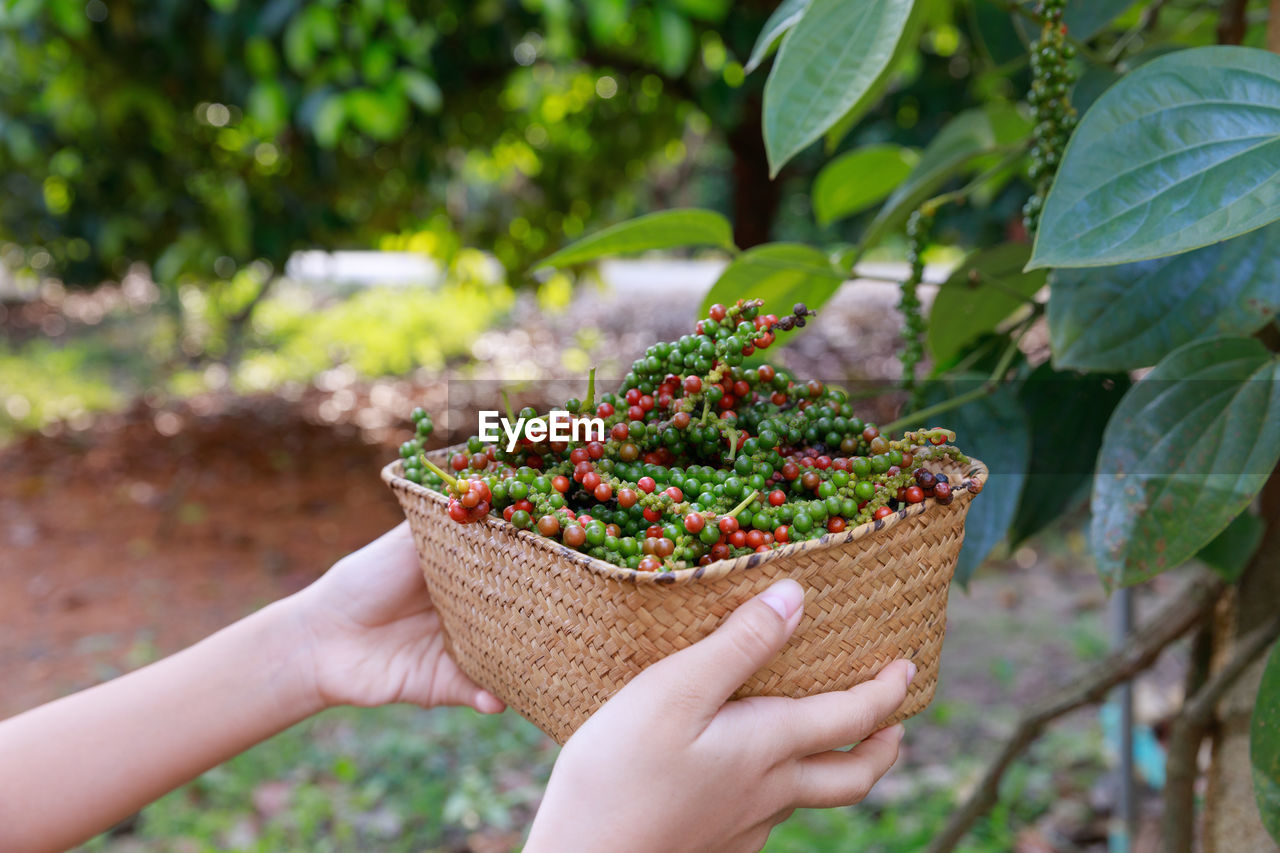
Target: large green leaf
<point>779,24</point>
<point>965,142</point>
<point>666,229</point>
<point>781,274</point>
<point>827,64</point>
<point>853,182</point>
<point>1264,745</point>
<point>1067,413</point>
<point>1180,153</point>
<point>984,290</point>
<point>1232,549</point>
<point>994,430</point>
<point>1186,450</point>
<point>1132,315</point>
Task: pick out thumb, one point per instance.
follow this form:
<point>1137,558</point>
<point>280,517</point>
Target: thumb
<point>751,637</point>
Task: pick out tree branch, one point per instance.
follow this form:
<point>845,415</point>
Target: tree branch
<point>1182,760</point>
<point>1144,647</point>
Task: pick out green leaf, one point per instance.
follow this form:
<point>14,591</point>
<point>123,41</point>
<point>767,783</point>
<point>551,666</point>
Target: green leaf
<point>984,290</point>
<point>1185,452</point>
<point>667,229</point>
<point>1232,549</point>
<point>382,114</point>
<point>781,274</point>
<point>421,89</point>
<point>827,64</point>
<point>329,119</point>
<point>855,181</point>
<point>1066,413</point>
<point>994,430</point>
<point>1133,315</point>
<point>673,41</point>
<point>961,145</point>
<point>269,106</point>
<point>779,23</point>
<point>1264,745</point>
<point>1181,153</point>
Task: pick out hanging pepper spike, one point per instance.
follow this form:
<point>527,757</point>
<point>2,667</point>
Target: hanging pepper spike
<point>588,405</point>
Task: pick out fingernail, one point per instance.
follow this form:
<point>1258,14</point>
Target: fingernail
<point>785,597</point>
<point>911,672</point>
<point>899,731</point>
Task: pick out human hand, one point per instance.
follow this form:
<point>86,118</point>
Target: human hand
<point>374,637</point>
<point>669,765</point>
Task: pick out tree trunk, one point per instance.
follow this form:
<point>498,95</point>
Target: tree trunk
<point>1232,824</point>
<point>755,196</point>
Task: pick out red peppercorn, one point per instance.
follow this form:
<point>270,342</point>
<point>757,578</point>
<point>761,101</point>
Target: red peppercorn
<point>508,512</point>
<point>633,396</point>
<point>835,524</point>
<point>603,492</point>
<point>457,511</point>
<point>680,420</point>
<point>578,454</point>
<point>574,536</point>
<point>738,538</point>
<point>914,494</point>
<point>651,514</point>
<point>646,484</point>
<point>778,398</point>
<point>675,494</point>
<point>790,470</point>
<point>694,522</point>
<point>620,431</point>
<point>653,531</point>
<point>560,483</point>
<point>692,384</point>
<point>635,413</point>
<point>766,373</point>
<point>782,533</point>
<point>604,410</point>
<point>762,548</point>
<point>646,402</point>
<point>719,551</point>
<point>526,505</point>
<point>548,525</point>
<point>728,524</point>
<point>881,512</point>
<point>650,564</point>
<point>777,497</point>
<point>459,461</point>
<point>595,449</point>
<point>942,493</point>
<point>627,498</point>
<point>717,312</point>
<point>590,480</point>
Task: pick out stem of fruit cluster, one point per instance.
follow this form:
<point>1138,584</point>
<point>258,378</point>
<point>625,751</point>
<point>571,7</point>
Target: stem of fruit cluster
<point>590,404</point>
<point>733,443</point>
<point>746,502</point>
<point>1013,153</point>
<point>449,479</point>
<point>506,401</point>
<point>987,388</point>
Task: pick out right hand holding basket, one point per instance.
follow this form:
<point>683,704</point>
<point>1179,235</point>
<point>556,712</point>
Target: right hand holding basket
<point>669,764</point>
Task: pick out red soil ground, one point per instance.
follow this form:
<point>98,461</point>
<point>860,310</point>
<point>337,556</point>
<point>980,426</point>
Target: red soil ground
<point>151,530</point>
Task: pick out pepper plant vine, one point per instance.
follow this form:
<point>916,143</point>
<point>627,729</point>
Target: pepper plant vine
<point>1152,221</point>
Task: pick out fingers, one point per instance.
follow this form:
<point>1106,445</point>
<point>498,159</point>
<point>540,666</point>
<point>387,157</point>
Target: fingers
<point>843,778</point>
<point>451,686</point>
<point>833,720</point>
<point>713,668</point>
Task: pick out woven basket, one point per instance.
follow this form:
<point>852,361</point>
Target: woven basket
<point>554,633</point>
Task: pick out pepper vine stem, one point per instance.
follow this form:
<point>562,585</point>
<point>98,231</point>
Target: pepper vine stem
<point>987,388</point>
<point>746,502</point>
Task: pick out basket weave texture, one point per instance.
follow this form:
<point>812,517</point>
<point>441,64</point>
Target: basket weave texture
<point>554,633</point>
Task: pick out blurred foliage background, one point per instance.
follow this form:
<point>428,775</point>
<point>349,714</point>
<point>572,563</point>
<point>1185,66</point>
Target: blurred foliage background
<point>191,148</point>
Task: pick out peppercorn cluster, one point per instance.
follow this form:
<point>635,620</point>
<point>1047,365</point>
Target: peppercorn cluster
<point>1050,98</point>
<point>704,458</point>
<point>918,227</point>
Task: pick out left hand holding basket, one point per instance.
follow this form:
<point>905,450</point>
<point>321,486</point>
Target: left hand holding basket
<point>669,764</point>
<point>374,636</point>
